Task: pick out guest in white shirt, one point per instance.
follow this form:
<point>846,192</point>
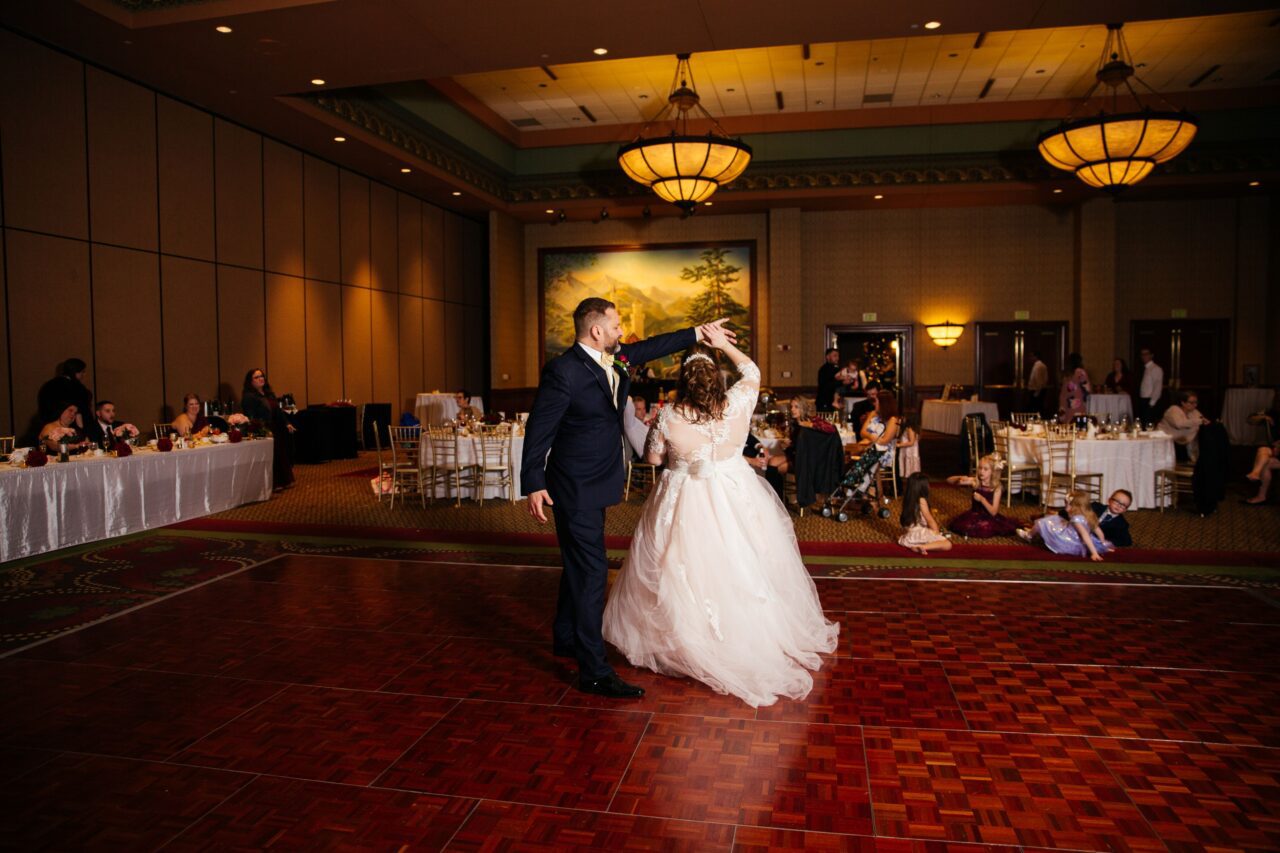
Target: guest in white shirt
<point>1183,421</point>
<point>1152,386</point>
<point>635,424</point>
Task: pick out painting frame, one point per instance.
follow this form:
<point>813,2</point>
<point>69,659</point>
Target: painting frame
<point>748,246</point>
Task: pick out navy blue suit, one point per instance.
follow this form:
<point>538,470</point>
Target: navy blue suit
<point>575,420</point>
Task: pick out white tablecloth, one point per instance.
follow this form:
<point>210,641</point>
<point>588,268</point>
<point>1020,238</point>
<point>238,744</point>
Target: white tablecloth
<point>849,403</point>
<point>93,498</point>
<point>468,454</point>
<point>946,416</point>
<point>434,408</point>
<point>1237,405</point>
<point>1116,405</point>
<point>1123,463</point>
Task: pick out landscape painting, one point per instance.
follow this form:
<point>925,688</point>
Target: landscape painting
<point>657,288</point>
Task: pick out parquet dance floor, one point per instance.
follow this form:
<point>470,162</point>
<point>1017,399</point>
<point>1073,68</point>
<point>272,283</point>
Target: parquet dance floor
<point>322,702</point>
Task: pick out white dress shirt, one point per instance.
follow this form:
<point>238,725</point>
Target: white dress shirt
<point>608,369</point>
<point>1152,382</point>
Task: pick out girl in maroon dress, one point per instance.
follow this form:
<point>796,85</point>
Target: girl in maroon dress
<point>982,520</point>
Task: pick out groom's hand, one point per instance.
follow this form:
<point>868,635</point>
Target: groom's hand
<point>704,330</point>
<point>536,500</point>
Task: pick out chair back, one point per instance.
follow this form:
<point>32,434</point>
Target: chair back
<point>404,439</point>
<point>162,430</point>
<point>377,442</point>
<point>6,444</point>
<point>1060,452</point>
<point>443,442</point>
<point>492,444</point>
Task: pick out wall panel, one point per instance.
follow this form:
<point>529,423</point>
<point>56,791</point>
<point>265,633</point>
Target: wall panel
<point>455,339</point>
<point>452,258</point>
<point>126,333</point>
<point>324,342</point>
<point>383,234</point>
<point>472,246</point>
<point>432,252</point>
<point>6,409</point>
<point>409,221</point>
<point>354,207</point>
<point>122,161</point>
<point>357,358</point>
<point>474,343</point>
<point>238,194</point>
<point>44,334</point>
<point>282,225</point>
<point>287,336</point>
<point>320,206</point>
<point>186,180</point>
<point>386,346</point>
<point>411,381</point>
<point>190,309</point>
<point>433,346</point>
<point>42,125</point>
<point>242,342</point>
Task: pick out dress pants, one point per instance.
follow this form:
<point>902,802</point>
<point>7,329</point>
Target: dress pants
<point>583,583</point>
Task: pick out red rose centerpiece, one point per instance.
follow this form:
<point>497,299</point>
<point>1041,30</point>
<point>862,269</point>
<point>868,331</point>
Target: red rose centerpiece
<point>37,458</point>
<point>164,445</point>
<point>233,435</point>
<point>123,449</point>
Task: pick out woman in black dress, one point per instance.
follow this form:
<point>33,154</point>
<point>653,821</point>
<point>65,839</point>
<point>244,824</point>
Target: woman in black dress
<point>259,403</point>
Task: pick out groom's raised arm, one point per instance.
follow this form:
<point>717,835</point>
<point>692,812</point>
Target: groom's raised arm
<point>540,430</point>
<point>660,345</point>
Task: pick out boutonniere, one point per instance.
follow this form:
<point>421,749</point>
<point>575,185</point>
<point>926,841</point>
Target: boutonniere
<point>622,361</point>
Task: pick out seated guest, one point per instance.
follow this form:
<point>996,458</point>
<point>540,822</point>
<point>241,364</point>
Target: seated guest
<point>758,457</point>
<point>63,430</point>
<point>1111,520</point>
<point>803,416</point>
<point>1119,381</point>
<point>191,423</point>
<point>104,428</point>
<point>864,408</point>
<point>634,427</point>
<point>1265,461</point>
<point>643,414</point>
<point>1183,420</point>
<point>466,412</point>
<point>1077,535</point>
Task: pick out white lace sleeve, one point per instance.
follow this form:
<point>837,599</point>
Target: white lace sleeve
<point>656,443</point>
<point>744,392</point>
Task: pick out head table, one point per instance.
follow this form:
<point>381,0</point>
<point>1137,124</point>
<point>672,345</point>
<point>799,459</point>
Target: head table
<point>92,498</point>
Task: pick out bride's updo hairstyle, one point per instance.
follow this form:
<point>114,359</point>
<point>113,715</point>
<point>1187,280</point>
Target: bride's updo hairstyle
<point>701,384</point>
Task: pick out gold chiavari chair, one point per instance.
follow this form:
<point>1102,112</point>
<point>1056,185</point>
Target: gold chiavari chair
<point>163,430</point>
<point>444,467</point>
<point>6,445</point>
<point>1172,483</point>
<point>384,465</point>
<point>639,475</point>
<point>1025,474</point>
<point>406,473</point>
<point>492,443</point>
<point>1060,456</point>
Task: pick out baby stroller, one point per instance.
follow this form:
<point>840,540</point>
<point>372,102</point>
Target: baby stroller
<point>858,487</point>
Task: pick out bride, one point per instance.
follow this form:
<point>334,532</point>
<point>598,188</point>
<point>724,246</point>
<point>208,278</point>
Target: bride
<point>713,586</point>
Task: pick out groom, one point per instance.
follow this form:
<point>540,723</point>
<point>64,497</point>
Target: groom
<point>577,417</point>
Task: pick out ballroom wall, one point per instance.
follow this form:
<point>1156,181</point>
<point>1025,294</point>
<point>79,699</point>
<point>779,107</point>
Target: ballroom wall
<point>1097,266</point>
<point>174,251</point>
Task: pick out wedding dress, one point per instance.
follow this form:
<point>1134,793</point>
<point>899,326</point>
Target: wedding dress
<point>714,587</point>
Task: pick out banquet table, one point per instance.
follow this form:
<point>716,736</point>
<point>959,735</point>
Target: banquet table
<point>1118,406</point>
<point>947,415</point>
<point>434,408</point>
<point>1237,405</point>
<point>468,454</point>
<point>92,498</point>
<point>1123,463</point>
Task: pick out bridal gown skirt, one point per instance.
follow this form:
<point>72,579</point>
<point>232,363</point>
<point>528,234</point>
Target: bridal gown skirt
<point>714,588</point>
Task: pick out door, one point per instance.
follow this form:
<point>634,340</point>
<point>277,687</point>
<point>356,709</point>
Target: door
<point>1004,359</point>
<point>1193,353</point>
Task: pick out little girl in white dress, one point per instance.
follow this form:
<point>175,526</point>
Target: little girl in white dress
<point>922,532</point>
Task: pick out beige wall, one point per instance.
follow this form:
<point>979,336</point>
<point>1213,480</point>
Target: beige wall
<point>1129,261</point>
<point>174,251</point>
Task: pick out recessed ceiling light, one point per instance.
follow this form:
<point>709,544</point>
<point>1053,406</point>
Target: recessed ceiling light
<point>339,139</point>
<point>223,29</point>
<point>1255,183</point>
<point>1057,190</point>
<point>600,51</point>
<point>708,203</point>
<point>456,193</point>
<point>317,82</point>
<point>404,170</point>
<point>878,196</point>
<point>932,25</point>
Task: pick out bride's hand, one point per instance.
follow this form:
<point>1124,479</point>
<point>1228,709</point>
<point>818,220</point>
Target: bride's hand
<point>707,332</point>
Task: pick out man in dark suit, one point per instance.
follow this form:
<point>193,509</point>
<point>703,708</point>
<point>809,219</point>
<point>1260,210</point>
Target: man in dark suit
<point>102,422</point>
<point>1111,517</point>
<point>865,407</point>
<point>573,462</point>
<point>828,384</point>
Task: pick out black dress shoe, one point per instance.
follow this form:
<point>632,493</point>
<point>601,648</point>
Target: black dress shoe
<point>612,686</point>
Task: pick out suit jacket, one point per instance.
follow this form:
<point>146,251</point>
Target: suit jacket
<point>1116,529</point>
<point>93,431</point>
<point>574,419</point>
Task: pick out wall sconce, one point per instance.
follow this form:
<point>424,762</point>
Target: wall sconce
<point>945,334</point>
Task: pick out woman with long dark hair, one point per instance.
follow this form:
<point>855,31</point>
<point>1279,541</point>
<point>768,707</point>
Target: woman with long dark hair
<point>713,587</point>
<point>258,402</point>
<point>1073,399</point>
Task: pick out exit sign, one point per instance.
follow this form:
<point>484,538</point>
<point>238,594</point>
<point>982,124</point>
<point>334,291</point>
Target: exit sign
<point>1022,315</point>
<point>868,316</point>
<point>1178,313</point>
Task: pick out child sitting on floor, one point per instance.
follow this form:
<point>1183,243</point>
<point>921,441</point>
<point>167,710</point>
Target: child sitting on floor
<point>982,519</point>
<point>1077,535</point>
<point>922,534</point>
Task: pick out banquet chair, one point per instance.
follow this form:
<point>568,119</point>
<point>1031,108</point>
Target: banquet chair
<point>6,444</point>
<point>888,472</point>
<point>1024,418</point>
<point>406,474</point>
<point>445,466</point>
<point>1172,483</point>
<point>162,430</point>
<point>384,467</point>
<point>1060,455</point>
<point>492,443</point>
<point>639,474</point>
<point>1025,474</point>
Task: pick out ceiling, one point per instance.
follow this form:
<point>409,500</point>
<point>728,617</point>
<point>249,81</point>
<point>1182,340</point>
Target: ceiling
<point>419,84</point>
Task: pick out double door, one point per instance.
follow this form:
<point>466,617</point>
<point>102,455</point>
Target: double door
<point>1193,353</point>
<point>1004,359</point>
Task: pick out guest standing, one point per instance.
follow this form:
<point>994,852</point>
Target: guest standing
<point>259,403</point>
<point>65,389</point>
<point>1119,381</point>
<point>828,384</point>
<point>1074,396</point>
<point>1151,388</point>
<point>1037,381</point>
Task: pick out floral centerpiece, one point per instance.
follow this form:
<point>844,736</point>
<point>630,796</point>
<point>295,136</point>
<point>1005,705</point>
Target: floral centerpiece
<point>234,424</point>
